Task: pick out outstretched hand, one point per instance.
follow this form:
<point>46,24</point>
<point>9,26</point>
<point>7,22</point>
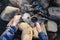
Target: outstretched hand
<point>16,19</point>
<point>38,27</point>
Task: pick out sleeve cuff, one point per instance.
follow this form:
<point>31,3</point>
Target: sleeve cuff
<point>14,28</point>
<point>41,33</point>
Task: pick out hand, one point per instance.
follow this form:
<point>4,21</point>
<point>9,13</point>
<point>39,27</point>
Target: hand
<point>16,19</point>
<point>38,27</point>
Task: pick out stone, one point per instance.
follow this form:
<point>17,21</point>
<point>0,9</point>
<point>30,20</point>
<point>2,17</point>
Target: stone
<point>18,3</point>
<point>44,3</point>
<point>51,26</point>
<point>54,11</point>
<point>57,2</point>
<point>9,13</point>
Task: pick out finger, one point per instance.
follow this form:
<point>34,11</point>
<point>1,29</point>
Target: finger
<point>37,24</point>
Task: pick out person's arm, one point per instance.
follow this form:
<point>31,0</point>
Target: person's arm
<point>9,32</point>
<point>42,35</point>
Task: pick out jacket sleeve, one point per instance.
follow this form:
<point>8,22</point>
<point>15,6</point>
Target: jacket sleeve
<point>43,36</point>
<point>8,34</point>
